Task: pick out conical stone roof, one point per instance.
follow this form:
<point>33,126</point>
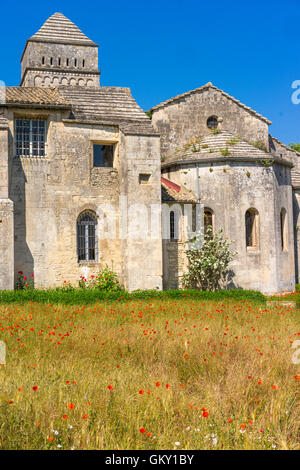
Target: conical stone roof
<point>61,30</point>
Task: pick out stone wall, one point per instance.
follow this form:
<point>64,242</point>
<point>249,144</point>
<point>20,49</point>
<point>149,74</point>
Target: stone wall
<point>37,69</point>
<point>140,155</point>
<point>50,192</point>
<point>229,190</point>
<point>186,118</point>
<point>6,213</point>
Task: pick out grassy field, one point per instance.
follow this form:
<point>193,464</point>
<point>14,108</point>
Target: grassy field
<point>153,374</point>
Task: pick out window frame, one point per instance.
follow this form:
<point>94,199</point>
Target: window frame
<point>86,237</point>
<point>284,230</point>
<point>111,144</point>
<point>254,230</point>
<point>208,209</point>
<point>20,144</point>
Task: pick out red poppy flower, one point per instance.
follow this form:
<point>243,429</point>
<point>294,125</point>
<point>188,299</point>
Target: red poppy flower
<point>142,430</point>
<point>34,388</point>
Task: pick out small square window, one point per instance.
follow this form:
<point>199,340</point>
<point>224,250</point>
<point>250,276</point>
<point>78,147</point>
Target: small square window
<point>103,155</point>
<point>144,178</point>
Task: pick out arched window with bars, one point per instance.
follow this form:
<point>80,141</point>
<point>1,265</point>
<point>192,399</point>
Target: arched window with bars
<point>172,225</point>
<point>86,236</point>
<point>252,228</point>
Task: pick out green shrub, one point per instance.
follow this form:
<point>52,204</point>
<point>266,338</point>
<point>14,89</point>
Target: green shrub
<point>91,296</point>
<point>108,281</point>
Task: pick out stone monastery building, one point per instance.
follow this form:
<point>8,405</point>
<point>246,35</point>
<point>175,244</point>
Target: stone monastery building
<point>72,153</point>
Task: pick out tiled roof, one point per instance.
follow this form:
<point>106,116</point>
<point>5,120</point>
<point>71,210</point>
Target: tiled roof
<point>295,178</point>
<point>34,95</point>
<point>206,87</point>
<point>60,29</point>
<point>220,145</point>
<point>108,104</point>
<point>171,192</point>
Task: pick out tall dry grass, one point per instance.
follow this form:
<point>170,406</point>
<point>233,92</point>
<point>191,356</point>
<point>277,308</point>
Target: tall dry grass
<point>181,374</point>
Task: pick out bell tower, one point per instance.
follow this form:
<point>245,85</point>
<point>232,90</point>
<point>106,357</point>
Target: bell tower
<point>60,54</point>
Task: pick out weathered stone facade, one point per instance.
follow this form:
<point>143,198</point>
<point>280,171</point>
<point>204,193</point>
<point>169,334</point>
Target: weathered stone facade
<point>44,192</point>
<point>234,167</point>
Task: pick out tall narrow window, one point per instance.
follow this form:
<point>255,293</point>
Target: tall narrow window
<point>67,62</point>
<point>51,60</point>
<point>283,230</point>
<point>172,225</point>
<point>83,63</point>
<point>75,62</point>
<point>59,61</point>
<point>86,237</point>
<point>103,155</point>
<point>208,220</point>
<point>30,137</point>
<point>43,60</point>
<point>251,222</point>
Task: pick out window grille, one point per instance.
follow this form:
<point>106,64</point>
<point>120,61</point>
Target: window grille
<point>30,137</point>
<point>86,237</point>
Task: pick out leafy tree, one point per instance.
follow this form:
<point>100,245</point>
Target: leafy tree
<point>295,147</point>
<point>209,258</point>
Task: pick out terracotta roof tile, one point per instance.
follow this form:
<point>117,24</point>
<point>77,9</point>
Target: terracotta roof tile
<point>34,95</point>
<point>171,192</point>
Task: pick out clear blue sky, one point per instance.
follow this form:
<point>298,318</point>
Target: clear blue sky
<point>250,49</point>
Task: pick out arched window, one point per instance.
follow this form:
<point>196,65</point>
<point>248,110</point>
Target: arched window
<point>251,223</point>
<point>86,236</point>
<point>208,220</point>
<point>284,230</point>
<point>212,122</point>
<point>172,225</point>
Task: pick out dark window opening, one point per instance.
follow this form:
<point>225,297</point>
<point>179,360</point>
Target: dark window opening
<point>172,225</point>
<point>212,122</point>
<point>283,229</point>
<point>43,60</point>
<point>67,62</point>
<point>59,61</point>
<point>51,60</point>
<point>83,63</point>
<point>75,62</point>
<point>144,178</point>
<point>103,155</point>
<point>208,220</point>
<point>251,222</point>
<point>86,237</point>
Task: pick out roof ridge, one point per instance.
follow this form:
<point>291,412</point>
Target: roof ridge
<point>207,86</point>
<point>284,145</point>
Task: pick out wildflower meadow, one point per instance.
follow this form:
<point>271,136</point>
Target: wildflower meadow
<point>150,374</point>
